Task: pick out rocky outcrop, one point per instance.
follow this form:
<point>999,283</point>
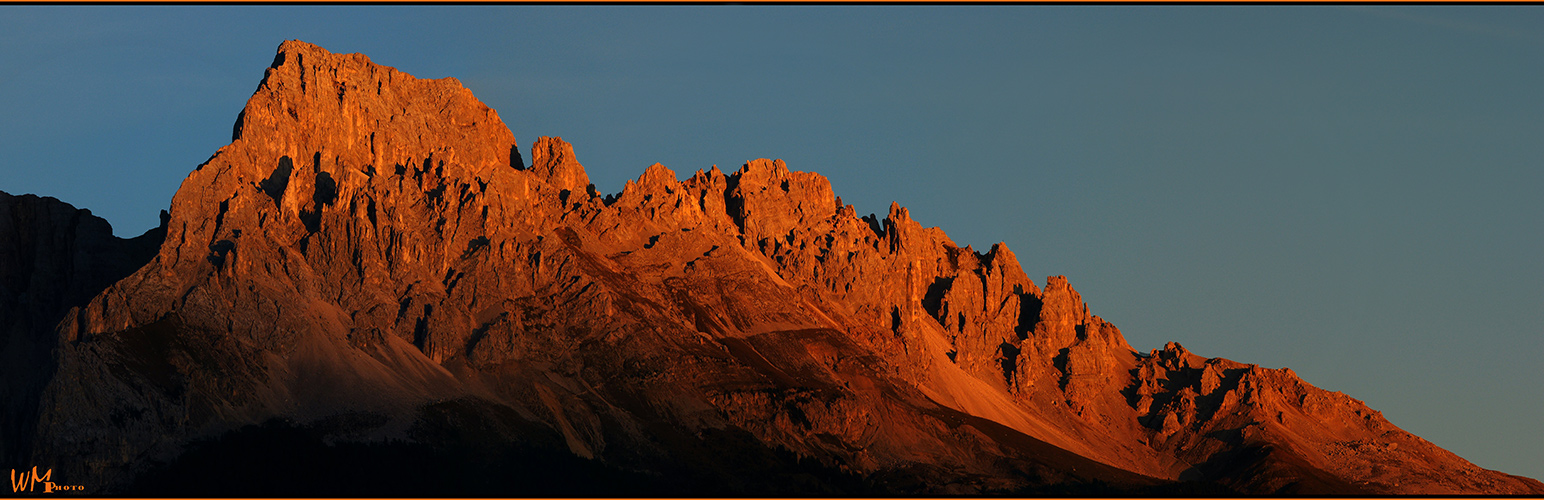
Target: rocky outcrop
<point>1258,429</point>
<point>371,261</point>
<point>553,161</point>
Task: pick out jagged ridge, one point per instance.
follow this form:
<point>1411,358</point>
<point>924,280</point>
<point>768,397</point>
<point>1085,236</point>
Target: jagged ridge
<point>371,247</point>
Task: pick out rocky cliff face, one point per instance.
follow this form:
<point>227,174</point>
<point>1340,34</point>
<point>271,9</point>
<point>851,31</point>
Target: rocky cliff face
<point>370,270</point>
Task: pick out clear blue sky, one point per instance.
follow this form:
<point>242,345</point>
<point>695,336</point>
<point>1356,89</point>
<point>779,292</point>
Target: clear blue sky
<point>1352,192</point>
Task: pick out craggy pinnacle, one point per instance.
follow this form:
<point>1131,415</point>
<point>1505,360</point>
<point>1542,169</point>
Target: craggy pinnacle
<point>370,262</point>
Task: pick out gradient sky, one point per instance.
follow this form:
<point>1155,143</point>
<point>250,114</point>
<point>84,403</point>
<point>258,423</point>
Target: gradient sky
<point>1352,192</point>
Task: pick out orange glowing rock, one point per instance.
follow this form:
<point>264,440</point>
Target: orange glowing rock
<point>371,259</point>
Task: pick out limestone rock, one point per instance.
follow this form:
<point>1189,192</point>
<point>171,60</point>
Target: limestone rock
<point>370,266</point>
<point>1244,424</point>
<point>553,161</point>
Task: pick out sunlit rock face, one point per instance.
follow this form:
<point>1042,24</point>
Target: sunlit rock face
<point>371,274</point>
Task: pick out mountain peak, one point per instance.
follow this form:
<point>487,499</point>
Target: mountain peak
<point>553,160</point>
<point>311,100</point>
<point>371,260</point>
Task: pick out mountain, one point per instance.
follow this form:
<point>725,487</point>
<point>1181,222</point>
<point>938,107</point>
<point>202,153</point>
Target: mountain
<point>370,291</point>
